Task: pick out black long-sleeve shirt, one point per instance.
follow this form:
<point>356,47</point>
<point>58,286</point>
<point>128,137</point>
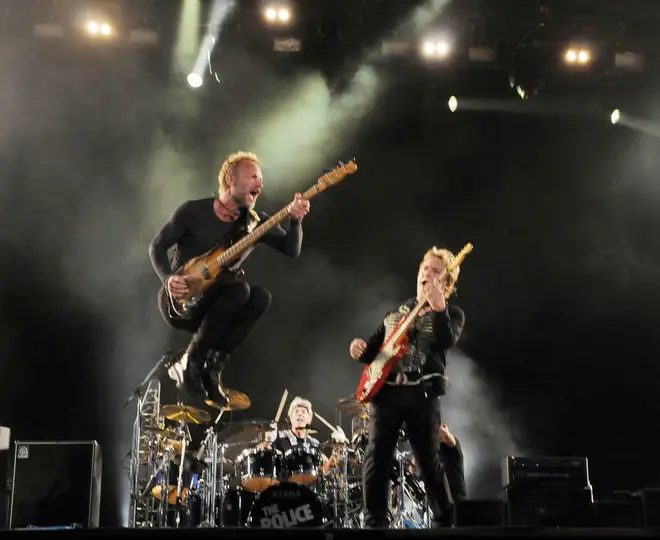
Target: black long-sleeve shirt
<point>451,458</point>
<point>194,228</point>
<point>429,337</point>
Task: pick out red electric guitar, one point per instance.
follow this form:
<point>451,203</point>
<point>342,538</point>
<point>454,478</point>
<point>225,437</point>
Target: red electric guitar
<point>396,345</point>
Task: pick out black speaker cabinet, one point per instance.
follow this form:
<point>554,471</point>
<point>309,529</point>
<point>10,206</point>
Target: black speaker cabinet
<point>5,485</point>
<point>533,506</point>
<point>55,483</point>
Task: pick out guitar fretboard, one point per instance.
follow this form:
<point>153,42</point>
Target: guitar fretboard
<point>250,239</point>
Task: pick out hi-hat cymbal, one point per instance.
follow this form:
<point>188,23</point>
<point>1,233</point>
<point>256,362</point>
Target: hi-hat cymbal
<point>190,415</point>
<point>237,401</point>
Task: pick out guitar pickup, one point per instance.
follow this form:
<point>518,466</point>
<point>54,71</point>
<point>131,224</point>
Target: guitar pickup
<point>205,273</point>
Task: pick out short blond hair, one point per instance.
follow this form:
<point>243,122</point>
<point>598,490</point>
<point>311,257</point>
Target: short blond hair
<point>449,259</point>
<point>300,402</point>
<point>230,164</point>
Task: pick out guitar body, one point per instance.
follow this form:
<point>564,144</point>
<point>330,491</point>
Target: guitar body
<point>213,266</point>
<point>375,374</point>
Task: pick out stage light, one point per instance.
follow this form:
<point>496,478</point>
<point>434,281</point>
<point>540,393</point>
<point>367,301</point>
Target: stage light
<point>615,116</point>
<point>271,14</point>
<point>97,29</point>
<point>277,14</point>
<point>452,103</point>
<point>195,80</point>
<point>577,56</point>
<point>435,49</point>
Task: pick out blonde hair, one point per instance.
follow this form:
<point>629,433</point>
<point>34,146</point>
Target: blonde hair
<point>230,164</point>
<point>300,402</point>
<point>449,258</point>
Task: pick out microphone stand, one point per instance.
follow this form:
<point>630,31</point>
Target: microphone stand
<point>167,360</point>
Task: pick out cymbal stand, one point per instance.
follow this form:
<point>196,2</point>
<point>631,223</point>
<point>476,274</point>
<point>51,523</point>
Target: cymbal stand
<point>179,484</point>
<point>210,446</point>
<point>402,492</point>
<point>345,473</point>
<point>164,470</point>
<point>398,516</point>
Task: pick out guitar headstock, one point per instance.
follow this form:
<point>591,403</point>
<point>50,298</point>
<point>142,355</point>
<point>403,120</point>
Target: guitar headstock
<point>461,255</point>
<point>337,174</point>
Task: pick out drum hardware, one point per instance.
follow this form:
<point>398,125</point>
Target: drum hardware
<point>163,432</point>
<point>147,403</point>
<point>210,446</point>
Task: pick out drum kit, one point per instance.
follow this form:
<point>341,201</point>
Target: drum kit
<point>232,480</point>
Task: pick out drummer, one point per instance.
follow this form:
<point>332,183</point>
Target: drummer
<point>300,418</point>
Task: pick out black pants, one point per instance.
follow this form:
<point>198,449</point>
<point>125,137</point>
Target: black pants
<point>420,411</point>
<point>223,318</point>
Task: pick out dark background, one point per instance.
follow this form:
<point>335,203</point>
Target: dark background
<point>99,144</point>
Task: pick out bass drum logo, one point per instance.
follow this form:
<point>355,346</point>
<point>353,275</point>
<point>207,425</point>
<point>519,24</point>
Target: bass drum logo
<point>286,505</point>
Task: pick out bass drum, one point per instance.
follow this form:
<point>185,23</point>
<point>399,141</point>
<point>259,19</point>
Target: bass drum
<point>287,505</point>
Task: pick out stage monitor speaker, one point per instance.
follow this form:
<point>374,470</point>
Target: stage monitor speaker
<point>5,460</point>
<point>55,483</point>
<point>532,506</point>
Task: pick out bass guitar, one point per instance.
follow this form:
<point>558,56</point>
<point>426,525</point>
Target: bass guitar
<point>203,271</point>
<point>395,346</point>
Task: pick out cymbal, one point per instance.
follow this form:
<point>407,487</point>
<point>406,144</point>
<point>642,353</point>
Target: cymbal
<point>246,432</point>
<point>177,446</point>
<point>358,411</point>
<point>347,400</point>
<point>237,401</point>
<point>331,445</point>
<point>168,433</point>
<point>190,415</point>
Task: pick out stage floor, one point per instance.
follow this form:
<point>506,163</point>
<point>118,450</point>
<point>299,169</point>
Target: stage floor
<point>332,534</point>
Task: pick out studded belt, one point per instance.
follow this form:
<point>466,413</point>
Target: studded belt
<point>413,378</point>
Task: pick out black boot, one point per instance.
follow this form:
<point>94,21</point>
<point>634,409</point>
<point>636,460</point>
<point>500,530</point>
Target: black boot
<point>192,375</point>
<point>216,362</point>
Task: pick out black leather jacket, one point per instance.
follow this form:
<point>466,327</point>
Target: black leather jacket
<point>429,338</point>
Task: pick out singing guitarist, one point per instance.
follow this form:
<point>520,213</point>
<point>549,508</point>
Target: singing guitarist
<point>411,394</point>
<point>231,308</point>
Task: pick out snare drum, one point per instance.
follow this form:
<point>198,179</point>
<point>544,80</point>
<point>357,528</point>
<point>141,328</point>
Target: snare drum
<point>287,505</point>
<point>303,464</point>
<point>259,469</point>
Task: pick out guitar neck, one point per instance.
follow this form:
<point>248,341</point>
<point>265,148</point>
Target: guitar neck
<point>403,327</point>
<point>252,238</point>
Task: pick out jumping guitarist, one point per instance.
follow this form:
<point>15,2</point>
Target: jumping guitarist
<point>229,308</point>
<point>411,392</point>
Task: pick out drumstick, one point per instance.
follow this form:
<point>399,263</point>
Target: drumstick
<point>282,402</point>
<point>325,422</point>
